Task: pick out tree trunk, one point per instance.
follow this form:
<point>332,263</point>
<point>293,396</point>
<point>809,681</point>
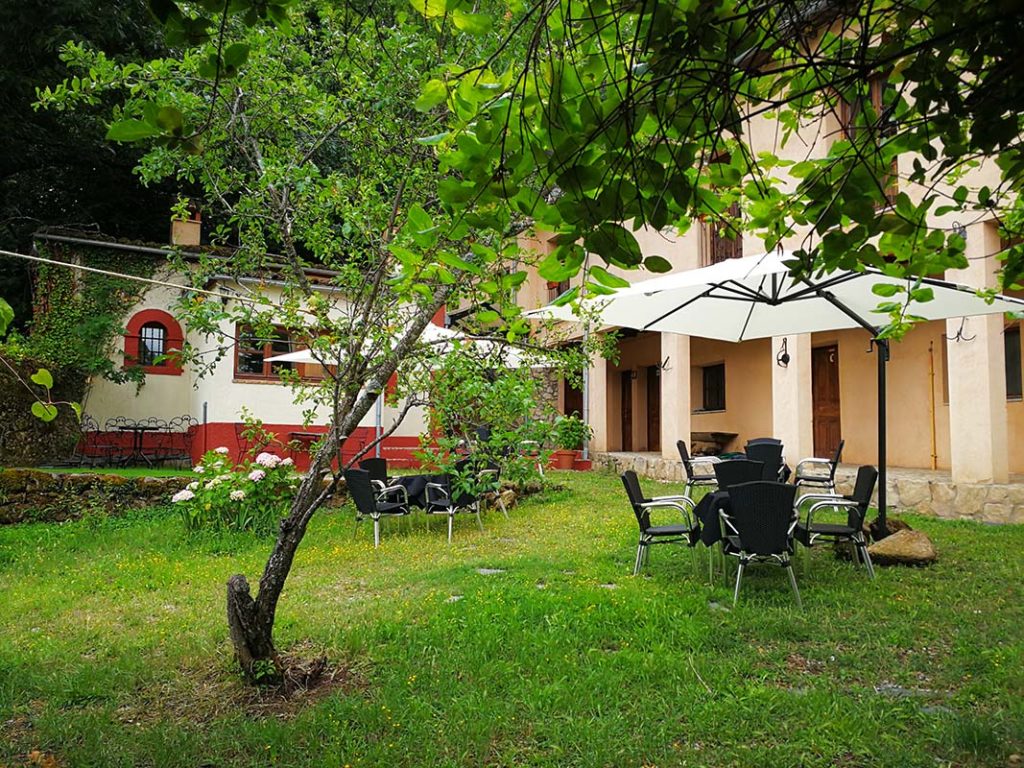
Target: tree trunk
<point>251,621</point>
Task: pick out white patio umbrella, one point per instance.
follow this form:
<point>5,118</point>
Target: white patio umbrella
<point>757,297</point>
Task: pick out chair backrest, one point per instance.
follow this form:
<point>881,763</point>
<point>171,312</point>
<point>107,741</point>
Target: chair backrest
<point>685,456</point>
<point>863,487</point>
<point>736,471</point>
<point>763,441</point>
<point>762,513</point>
<point>835,460</point>
<point>636,498</point>
<point>378,468</point>
<point>770,454</point>
<point>361,491</point>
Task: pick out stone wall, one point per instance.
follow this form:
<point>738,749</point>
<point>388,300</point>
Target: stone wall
<point>907,490</point>
<point>32,495</point>
<point>26,441</point>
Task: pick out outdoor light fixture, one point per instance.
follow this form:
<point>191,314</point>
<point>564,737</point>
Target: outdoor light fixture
<point>782,359</point>
<point>960,229</point>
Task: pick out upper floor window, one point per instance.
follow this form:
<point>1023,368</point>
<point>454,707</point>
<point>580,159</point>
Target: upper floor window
<point>721,239</point>
<point>881,96</point>
<point>557,289</point>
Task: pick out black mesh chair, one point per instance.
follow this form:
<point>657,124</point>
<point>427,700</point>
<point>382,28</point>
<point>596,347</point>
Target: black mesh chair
<point>686,532</point>
<point>699,470</point>
<point>764,441</point>
<point>856,507</point>
<point>449,494</point>
<point>819,473</point>
<point>760,527</point>
<point>736,471</point>
<point>375,503</point>
<point>769,454</point>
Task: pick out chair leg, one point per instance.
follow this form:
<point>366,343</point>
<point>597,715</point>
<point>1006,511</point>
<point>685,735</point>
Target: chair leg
<point>451,520</point>
<point>376,532</point>
<point>479,522</point>
<point>639,557</point>
<point>501,506</point>
<point>862,548</point>
<point>792,583</point>
<point>739,581</point>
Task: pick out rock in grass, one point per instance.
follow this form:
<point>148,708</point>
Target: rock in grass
<point>904,547</point>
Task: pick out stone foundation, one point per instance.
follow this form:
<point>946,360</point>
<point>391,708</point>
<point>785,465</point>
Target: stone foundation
<point>922,491</point>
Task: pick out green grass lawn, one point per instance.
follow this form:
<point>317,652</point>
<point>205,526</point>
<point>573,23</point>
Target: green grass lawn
<point>122,471</point>
<point>113,648</point>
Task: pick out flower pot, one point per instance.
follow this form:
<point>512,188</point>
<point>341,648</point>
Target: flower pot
<point>563,459</point>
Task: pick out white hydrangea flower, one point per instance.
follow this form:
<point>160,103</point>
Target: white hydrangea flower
<point>210,485</point>
<point>256,475</point>
<point>221,449</point>
<point>193,486</point>
<point>268,460</point>
<point>198,469</point>
<point>184,495</point>
<point>287,462</point>
<point>237,495</point>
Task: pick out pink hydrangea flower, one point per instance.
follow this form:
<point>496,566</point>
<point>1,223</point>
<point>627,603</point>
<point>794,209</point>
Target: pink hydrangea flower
<point>184,495</point>
<point>268,460</point>
<point>256,475</point>
<point>222,449</point>
<point>286,462</point>
<point>237,495</point>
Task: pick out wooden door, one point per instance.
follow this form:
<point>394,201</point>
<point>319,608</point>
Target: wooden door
<point>653,408</point>
<point>825,399</point>
<point>572,399</point>
<point>626,385</point>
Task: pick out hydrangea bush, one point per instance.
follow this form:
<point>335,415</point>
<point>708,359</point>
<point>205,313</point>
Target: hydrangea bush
<point>251,496</point>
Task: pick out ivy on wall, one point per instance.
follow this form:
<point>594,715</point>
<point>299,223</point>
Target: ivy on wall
<point>78,316</point>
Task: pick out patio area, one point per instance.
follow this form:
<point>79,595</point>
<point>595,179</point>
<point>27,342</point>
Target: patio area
<point>928,492</point>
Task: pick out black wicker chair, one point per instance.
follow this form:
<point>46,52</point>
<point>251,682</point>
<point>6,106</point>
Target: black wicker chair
<point>856,507</point>
<point>760,527</point>
<point>445,496</point>
<point>375,503</point>
<point>736,471</point>
<point>378,469</point>
<point>819,473</point>
<point>686,532</point>
<point>699,470</point>
<point>769,454</point>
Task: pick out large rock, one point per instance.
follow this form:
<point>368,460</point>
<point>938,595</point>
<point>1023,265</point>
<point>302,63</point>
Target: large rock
<point>904,547</point>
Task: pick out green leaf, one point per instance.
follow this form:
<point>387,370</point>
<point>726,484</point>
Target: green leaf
<point>437,138</point>
<point>236,54</point>
<point>131,130</point>
<point>6,316</point>
<point>885,289</point>
<point>44,411</point>
<point>434,93</point>
<point>43,378</point>
<point>473,23</point>
<point>615,244</point>
<point>657,264</point>
<point>77,408</point>
<point>922,294</point>
<point>604,277</point>
<point>431,9</point>
<point>170,120</point>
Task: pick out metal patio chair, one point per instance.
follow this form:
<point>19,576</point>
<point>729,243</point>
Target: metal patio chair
<point>375,503</point>
<point>819,473</point>
<point>856,507</point>
<point>699,470</point>
<point>684,533</point>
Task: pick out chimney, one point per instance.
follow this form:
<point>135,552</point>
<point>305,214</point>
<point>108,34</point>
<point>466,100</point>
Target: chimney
<point>187,231</point>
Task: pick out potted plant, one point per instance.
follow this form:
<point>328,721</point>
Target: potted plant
<point>570,434</point>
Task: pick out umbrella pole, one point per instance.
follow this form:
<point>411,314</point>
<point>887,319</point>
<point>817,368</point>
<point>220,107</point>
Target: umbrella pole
<point>882,350</point>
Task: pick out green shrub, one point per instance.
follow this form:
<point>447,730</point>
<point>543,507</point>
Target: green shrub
<point>251,496</point>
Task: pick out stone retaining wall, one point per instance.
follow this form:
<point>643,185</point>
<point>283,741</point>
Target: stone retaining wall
<point>33,495</point>
<point>925,495</point>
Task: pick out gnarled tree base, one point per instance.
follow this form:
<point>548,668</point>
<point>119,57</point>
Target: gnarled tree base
<point>251,635</point>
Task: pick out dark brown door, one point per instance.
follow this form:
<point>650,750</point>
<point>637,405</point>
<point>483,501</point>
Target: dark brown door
<point>825,399</point>
<point>653,408</point>
<point>626,384</point>
<point>573,399</point>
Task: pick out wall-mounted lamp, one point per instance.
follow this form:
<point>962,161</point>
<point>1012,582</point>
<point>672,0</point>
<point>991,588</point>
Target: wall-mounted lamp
<point>782,359</point>
<point>960,229</point>
<point>663,366</point>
